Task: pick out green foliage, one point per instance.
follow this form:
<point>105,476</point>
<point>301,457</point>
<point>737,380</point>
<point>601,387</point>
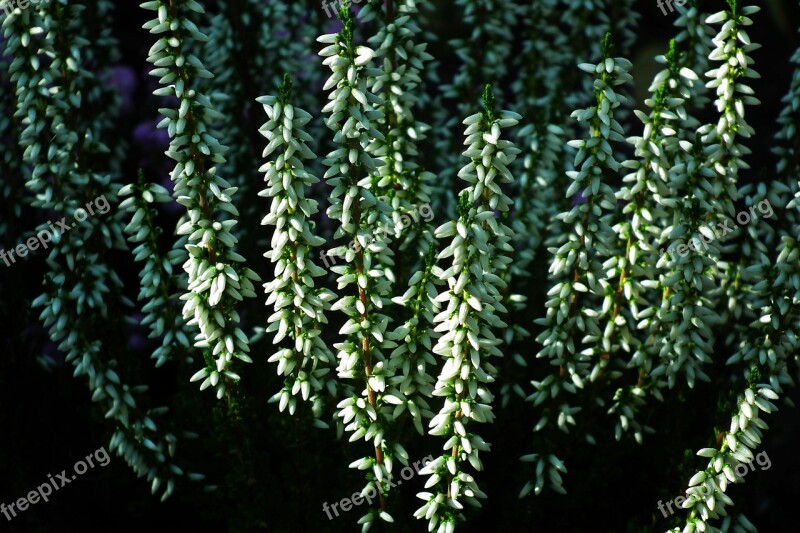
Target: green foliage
<point>598,247</point>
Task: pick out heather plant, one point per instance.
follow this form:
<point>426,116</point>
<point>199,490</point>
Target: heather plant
<point>540,316</point>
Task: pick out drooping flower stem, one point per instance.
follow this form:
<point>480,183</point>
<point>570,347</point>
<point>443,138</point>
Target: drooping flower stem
<point>480,249</point>
<point>216,278</point>
<point>299,306</point>
<point>352,171</point>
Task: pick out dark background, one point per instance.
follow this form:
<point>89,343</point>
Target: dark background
<point>288,469</point>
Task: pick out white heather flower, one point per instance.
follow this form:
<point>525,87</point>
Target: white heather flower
<point>683,344</point>
<point>706,495</point>
<point>480,248</point>
<point>299,305</point>
<point>708,170</point>
<point>157,279</point>
<point>366,278</point>
<point>694,38</point>
<point>728,80</point>
<point>217,280</point>
<point>412,360</point>
<point>484,55</point>
<point>652,198</point>
<point>580,264</point>
<point>400,179</point>
<point>49,49</point>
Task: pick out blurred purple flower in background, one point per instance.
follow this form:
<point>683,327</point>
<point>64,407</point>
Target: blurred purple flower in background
<point>149,138</point>
<point>579,198</point>
<point>137,339</point>
<point>125,81</point>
